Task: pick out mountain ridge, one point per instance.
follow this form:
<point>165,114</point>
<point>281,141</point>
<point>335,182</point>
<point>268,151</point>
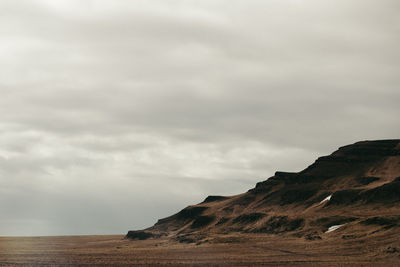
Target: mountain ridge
<point>356,189</point>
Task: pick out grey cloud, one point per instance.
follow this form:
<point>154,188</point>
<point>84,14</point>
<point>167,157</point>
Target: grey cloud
<point>113,104</point>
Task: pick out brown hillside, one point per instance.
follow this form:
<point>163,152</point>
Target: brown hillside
<point>356,188</point>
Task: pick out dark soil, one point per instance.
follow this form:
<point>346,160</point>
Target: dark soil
<point>249,218</point>
<point>202,221</point>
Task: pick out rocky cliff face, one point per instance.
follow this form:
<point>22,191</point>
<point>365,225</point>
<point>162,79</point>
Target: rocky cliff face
<point>356,188</point>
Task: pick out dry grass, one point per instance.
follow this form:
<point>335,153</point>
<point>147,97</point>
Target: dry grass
<point>216,250</point>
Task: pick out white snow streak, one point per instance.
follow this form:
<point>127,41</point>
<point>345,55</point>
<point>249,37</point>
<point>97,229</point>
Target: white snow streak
<point>326,199</point>
<point>333,228</point>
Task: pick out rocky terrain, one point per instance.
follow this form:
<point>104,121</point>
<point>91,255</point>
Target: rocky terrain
<point>352,194</point>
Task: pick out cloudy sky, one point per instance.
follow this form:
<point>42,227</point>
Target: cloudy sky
<point>116,113</point>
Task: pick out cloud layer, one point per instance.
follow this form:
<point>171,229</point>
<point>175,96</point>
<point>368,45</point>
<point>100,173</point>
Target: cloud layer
<point>114,114</point>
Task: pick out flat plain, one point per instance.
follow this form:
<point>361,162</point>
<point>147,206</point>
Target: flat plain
<point>218,250</point>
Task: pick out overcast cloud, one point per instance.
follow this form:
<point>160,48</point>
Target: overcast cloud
<point>116,113</point>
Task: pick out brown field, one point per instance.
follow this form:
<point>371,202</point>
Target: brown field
<point>222,250</point>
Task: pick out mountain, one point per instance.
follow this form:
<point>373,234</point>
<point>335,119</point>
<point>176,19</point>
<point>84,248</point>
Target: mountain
<point>355,191</point>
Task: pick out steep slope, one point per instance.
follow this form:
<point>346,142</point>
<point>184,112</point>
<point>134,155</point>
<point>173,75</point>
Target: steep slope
<point>355,189</point>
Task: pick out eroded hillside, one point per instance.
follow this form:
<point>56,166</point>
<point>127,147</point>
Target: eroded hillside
<point>354,191</point>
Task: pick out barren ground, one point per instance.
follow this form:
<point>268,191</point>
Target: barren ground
<point>221,250</point>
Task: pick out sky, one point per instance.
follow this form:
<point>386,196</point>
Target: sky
<point>116,113</point>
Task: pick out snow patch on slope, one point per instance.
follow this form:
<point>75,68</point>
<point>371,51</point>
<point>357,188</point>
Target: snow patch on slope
<point>326,199</point>
<point>333,228</point>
